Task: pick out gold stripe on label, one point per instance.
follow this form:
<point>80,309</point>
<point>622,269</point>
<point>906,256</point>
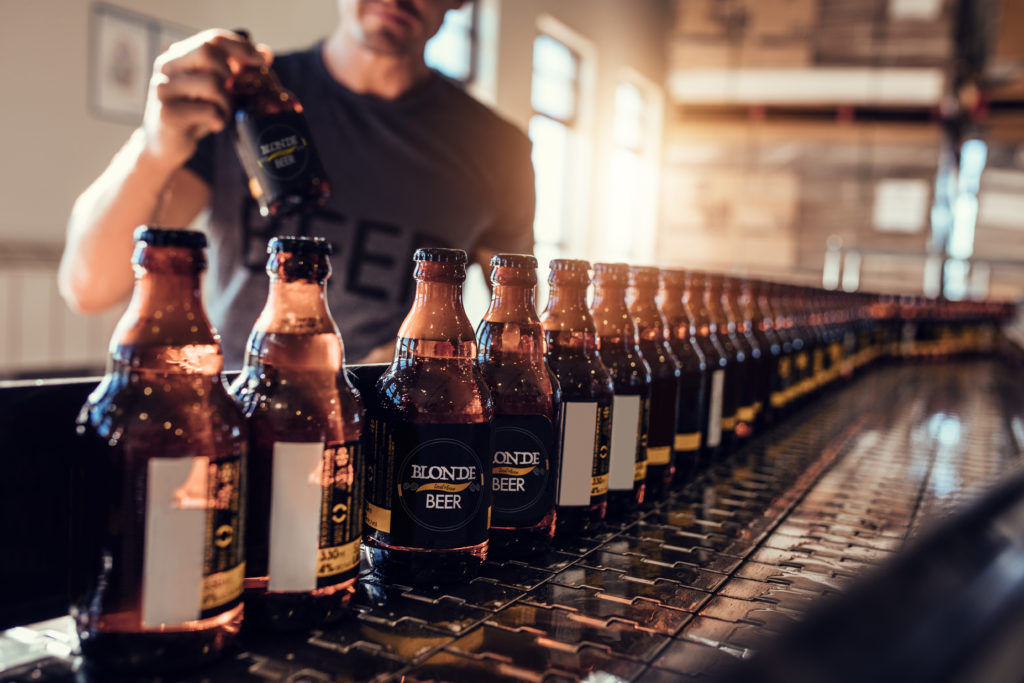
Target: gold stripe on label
<point>687,442</point>
<point>729,423</point>
<point>378,518</point>
<point>746,413</point>
<point>660,455</point>
<point>598,485</point>
<point>337,559</point>
<point>778,399</point>
<point>640,471</point>
<point>222,587</point>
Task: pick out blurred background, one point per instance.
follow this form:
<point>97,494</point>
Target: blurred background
<point>863,145</point>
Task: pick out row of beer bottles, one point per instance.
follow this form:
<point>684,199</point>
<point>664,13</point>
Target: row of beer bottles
<point>188,496</point>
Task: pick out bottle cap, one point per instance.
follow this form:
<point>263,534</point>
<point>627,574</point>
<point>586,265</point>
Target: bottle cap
<point>612,268</point>
<point>643,276</point>
<point>577,265</point>
<point>611,274</point>
<point>439,255</point>
<point>514,261</point>
<point>164,237</point>
<point>299,245</point>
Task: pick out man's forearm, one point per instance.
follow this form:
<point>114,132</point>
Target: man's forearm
<point>95,270</point>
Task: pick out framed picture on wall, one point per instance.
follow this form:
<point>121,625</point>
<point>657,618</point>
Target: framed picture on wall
<point>120,63</point>
<point>123,46</point>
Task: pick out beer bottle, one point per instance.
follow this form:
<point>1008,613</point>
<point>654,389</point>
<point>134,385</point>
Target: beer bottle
<point>717,402</point>
<point>305,519</point>
<point>525,394</point>
<point>782,373</point>
<point>740,331</point>
<point>796,317</point>
<point>274,143</point>
<point>581,487</point>
<point>159,494</point>
<point>631,380</point>
<point>694,381</point>
<point>666,374</point>
<point>428,485</point>
<point>733,394</point>
<point>761,329</point>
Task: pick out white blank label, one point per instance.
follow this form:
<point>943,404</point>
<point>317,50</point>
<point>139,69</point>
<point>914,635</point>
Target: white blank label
<point>715,412</point>
<point>579,437</point>
<point>295,500</point>
<point>176,509</point>
<point>625,437</point>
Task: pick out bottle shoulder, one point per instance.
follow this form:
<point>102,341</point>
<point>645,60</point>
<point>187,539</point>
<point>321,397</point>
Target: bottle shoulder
<point>434,390</point>
<point>174,417</point>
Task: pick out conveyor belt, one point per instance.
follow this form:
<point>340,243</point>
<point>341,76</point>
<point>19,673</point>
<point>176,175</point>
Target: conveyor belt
<point>683,589</point>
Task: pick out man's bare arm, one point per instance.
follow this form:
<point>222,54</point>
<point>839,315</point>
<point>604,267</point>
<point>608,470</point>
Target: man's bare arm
<point>95,270</point>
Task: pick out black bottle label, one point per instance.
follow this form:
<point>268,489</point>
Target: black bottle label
<point>224,562</point>
<point>278,154</point>
<point>429,485</point>
<point>341,513</point>
<point>279,142</point>
<point>523,446</point>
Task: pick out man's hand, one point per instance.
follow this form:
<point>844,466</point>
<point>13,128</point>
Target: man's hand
<point>187,94</point>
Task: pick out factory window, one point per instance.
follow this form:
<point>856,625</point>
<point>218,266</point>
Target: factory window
<point>453,50</point>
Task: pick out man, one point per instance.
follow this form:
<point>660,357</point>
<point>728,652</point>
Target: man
<point>412,160</point>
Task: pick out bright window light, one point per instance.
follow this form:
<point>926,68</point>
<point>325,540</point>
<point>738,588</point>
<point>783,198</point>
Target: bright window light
<point>450,51</point>
<point>555,79</point>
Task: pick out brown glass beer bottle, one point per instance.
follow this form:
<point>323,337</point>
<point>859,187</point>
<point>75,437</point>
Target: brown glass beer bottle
<point>428,485</point>
<point>732,397</point>
<point>581,487</point>
<point>631,380</point>
<point>274,143</point>
<point>759,326</point>
<point>305,474</point>
<point>666,374</point>
<point>159,494</point>
<point>694,380</point>
<point>742,337</point>
<point>718,401</point>
<point>525,393</point>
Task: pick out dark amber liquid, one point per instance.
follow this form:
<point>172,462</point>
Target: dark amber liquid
<point>572,357</point>
<point>135,415</point>
<point>521,384</point>
<point>300,401</point>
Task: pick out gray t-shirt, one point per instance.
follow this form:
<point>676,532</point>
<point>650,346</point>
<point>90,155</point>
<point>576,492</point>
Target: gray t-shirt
<point>433,168</point>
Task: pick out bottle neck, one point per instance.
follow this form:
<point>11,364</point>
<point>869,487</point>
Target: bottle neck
<point>716,312</point>
<point>697,309</point>
<point>437,325</point>
<point>611,316</point>
<point>567,322</point>
<point>737,318</point>
<point>513,303</point>
<point>295,329</point>
<point>511,324</point>
<point>567,309</point>
<point>165,327</point>
<point>643,307</point>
